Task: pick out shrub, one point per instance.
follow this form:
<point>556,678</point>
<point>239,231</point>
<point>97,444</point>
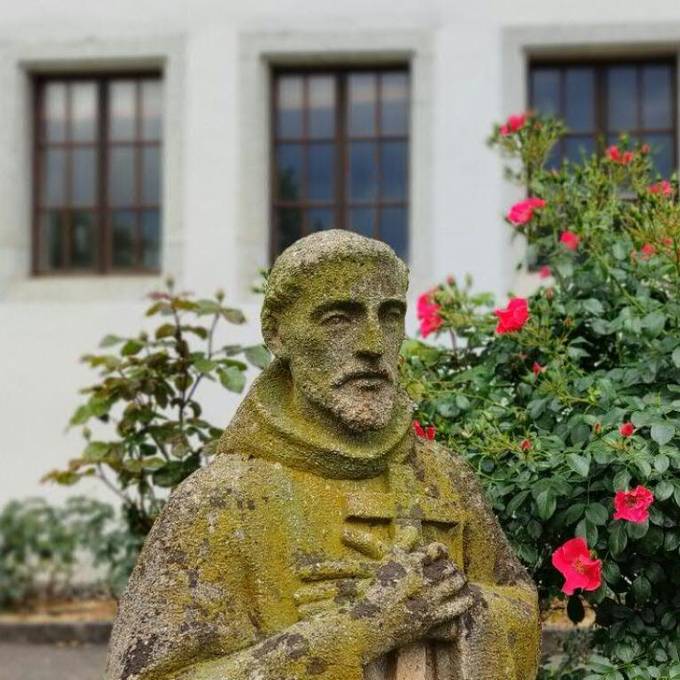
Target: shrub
<point>42,546</point>
<point>147,394</point>
<point>564,401</point>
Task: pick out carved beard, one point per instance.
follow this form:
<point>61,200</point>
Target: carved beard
<point>358,408</point>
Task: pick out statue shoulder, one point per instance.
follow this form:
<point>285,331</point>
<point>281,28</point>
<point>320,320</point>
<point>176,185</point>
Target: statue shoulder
<point>226,483</point>
<point>438,457</point>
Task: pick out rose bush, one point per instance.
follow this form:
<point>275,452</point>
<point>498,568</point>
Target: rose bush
<point>567,403</point>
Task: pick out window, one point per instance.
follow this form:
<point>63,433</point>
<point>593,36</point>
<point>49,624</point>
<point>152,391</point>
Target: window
<point>599,101</point>
<point>97,196</point>
<point>340,154</point>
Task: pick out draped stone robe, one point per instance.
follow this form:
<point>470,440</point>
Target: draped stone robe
<point>226,568</point>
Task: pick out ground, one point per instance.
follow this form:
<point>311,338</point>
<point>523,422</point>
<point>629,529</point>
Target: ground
<point>51,662</point>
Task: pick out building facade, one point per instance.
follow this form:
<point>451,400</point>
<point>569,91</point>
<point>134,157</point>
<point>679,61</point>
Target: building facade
<point>196,139</point>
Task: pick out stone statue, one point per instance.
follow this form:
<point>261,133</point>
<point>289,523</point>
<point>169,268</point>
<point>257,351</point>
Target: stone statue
<point>326,540</point>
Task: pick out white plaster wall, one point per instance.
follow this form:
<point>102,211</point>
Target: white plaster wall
<point>468,65</point>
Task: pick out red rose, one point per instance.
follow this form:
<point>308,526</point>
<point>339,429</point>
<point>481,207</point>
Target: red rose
<point>615,155</point>
<point>570,240</point>
<point>525,445</point>
<point>427,432</point>
<point>580,570</point>
<point>663,187</point>
<point>513,317</point>
<point>647,250</point>
<point>513,124</point>
<point>427,312</point>
<point>633,505</point>
<point>522,212</point>
<point>544,272</point>
<point>626,429</point>
<point>537,368</point>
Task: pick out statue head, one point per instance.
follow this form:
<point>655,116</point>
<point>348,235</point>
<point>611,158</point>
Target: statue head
<point>334,313</point>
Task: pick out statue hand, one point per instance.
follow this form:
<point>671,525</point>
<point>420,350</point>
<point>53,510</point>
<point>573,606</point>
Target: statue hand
<point>418,594</point>
<point>412,593</point>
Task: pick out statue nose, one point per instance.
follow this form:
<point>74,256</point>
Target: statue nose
<point>372,340</point>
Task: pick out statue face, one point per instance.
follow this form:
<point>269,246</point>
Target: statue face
<point>342,337</point>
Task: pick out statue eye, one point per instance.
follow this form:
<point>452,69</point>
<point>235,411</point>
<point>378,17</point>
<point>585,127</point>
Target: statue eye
<point>393,315</point>
<point>335,319</point>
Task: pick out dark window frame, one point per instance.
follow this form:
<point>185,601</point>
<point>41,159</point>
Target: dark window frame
<point>601,95</point>
<point>103,237</point>
<point>339,202</point>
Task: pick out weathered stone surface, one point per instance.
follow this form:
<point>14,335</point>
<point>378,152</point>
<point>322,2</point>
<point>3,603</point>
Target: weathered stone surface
<point>326,541</point>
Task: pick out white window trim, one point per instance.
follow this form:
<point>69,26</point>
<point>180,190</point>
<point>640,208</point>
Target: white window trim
<point>520,44</point>
<point>258,53</point>
<point>18,64</point>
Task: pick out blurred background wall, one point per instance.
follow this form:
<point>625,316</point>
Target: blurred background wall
<point>196,139</point>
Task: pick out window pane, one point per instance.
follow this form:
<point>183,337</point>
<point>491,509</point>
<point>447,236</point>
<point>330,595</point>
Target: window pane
<point>361,95</point>
<point>289,113</point>
<point>151,175</point>
<point>82,239</point>
<point>55,112</point>
<point>622,98</point>
<point>289,172</point>
<point>393,230</point>
<point>321,106</point>
<point>123,231</point>
<point>84,187</point>
<point>394,103</point>
<point>362,220</point>
<point>661,152</point>
<point>319,218</point>
<point>51,240</point>
<point>151,239</point>
<point>554,159</point>
<point>289,226</point>
<point>393,167</point>
<point>579,105</point>
<point>545,89</point>
<point>656,97</point>
<point>53,177</point>
<point>321,159</point>
<point>152,93</point>
<point>363,174</point>
<point>83,112</point>
<point>122,109</point>
<point>576,147</point>
<point>122,175</point>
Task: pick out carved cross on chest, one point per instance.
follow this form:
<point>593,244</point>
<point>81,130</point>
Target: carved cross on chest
<point>406,507</point>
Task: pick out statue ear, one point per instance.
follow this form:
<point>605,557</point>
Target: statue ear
<point>274,342</point>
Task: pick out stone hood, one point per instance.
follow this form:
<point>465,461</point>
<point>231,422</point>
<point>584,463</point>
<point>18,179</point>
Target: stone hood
<point>264,426</point>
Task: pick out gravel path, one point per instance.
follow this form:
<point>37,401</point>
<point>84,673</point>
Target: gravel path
<point>51,662</point>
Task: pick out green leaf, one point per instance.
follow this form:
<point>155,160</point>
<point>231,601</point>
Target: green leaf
<point>546,504</point>
<point>579,464</point>
<point>258,355</point>
<point>676,357</point>
<point>204,365</point>
<point>662,433</point>
<point>621,480</point>
<point>597,513</point>
<point>654,322</point>
<point>593,306</point>
<point>110,340</point>
<point>96,451</point>
<point>587,530</point>
<point>131,347</point>
<point>663,490</point>
<point>232,378</point>
<point>661,463</point>
<point>573,513</point>
<point>642,589</point>
<point>618,538</point>
<point>518,499</point>
<point>233,315</point>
